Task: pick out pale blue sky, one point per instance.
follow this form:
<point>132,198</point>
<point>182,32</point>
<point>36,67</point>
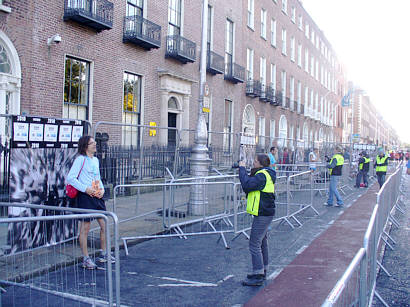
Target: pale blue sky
<point>371,37</point>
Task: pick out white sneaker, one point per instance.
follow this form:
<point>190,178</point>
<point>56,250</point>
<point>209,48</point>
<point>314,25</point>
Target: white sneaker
<point>89,264</point>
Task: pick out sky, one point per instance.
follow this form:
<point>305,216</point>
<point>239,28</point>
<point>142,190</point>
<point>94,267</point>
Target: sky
<point>371,38</point>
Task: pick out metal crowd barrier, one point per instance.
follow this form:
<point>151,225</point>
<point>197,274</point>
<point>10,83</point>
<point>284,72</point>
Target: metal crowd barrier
<point>47,267</point>
<point>357,286</point>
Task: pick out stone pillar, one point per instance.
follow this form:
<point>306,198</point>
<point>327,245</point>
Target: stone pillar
<point>185,121</point>
<point>163,133</point>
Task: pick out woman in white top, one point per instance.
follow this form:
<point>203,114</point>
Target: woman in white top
<point>313,159</point>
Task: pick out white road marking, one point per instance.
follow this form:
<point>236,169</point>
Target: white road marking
<point>300,250</point>
<point>225,279</point>
<point>331,222</point>
<point>274,274</point>
<point>340,213</point>
<point>185,283</point>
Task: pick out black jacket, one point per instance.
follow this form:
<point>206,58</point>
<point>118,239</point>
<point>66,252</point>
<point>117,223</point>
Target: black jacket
<point>257,183</point>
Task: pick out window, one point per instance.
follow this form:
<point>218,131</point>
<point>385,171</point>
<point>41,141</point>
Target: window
<point>300,55</point>
<point>174,15</point>
<point>229,48</point>
<point>283,131</point>
<point>306,100</point>
<point>292,49</point>
<point>131,110</point>
<point>293,14</point>
<point>300,22</point>
<point>262,131</point>
<point>272,131</point>
<point>263,72</point>
<point>285,6</point>
<point>299,99</point>
<point>273,76</point>
<point>273,32</point>
<point>251,14</point>
<point>227,140</point>
<point>263,24</point>
<point>317,70</point>
<point>284,41</point>
<point>307,31</point>
<point>249,64</point>
<point>306,60</point>
<point>5,65</point>
<point>283,88</point>
<point>312,38</point>
<point>312,66</point>
<point>135,8</point>
<point>292,92</point>
<point>76,89</point>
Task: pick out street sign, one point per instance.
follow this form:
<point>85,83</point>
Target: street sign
<point>206,105</point>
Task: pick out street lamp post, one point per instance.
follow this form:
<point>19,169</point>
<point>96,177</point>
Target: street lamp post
<point>199,158</point>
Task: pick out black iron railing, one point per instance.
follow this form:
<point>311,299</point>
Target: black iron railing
<point>263,93</point>
<point>97,14</point>
<point>253,88</point>
<point>4,173</point>
<point>181,49</point>
<point>234,73</point>
<point>142,32</point>
<point>215,63</point>
<point>278,98</point>
<point>270,95</point>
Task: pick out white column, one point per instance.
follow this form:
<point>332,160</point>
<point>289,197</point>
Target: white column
<point>163,133</point>
<point>185,120</point>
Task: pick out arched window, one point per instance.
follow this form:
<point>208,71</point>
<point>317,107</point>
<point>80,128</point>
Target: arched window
<point>10,76</point>
<point>283,131</point>
<point>248,120</point>
<point>172,104</point>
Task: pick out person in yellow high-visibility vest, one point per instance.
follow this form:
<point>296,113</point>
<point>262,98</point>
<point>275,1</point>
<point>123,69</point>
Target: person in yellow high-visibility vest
<point>260,188</point>
<point>335,167</point>
<point>381,167</point>
<point>364,165</point>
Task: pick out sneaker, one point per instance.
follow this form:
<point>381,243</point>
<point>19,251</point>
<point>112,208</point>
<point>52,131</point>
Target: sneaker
<point>255,280</point>
<point>104,257</point>
<point>89,264</point>
<point>250,276</point>
<point>339,205</point>
<point>328,205</point>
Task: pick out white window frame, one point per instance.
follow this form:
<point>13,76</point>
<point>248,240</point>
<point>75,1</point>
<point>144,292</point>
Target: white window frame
<point>285,6</point>
<point>273,76</point>
<point>292,49</point>
<point>262,70</point>
<point>283,84</point>
<point>299,96</point>
<point>300,22</point>
<point>251,14</point>
<point>292,92</point>
<point>317,70</point>
<point>263,24</point>
<point>307,60</point>
<point>306,101</point>
<point>312,65</point>
<point>273,32</point>
<point>293,14</point>
<point>284,47</point>
<point>300,55</point>
<point>262,131</point>
<point>272,131</point>
<point>283,131</point>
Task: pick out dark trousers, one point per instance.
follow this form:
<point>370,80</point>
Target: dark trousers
<point>381,177</point>
<point>359,176</point>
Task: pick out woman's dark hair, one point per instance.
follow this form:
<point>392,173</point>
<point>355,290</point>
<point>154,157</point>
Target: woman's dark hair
<point>83,144</point>
<point>272,148</point>
<point>263,160</point>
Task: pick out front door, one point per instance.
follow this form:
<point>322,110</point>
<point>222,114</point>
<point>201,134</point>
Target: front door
<point>172,134</point>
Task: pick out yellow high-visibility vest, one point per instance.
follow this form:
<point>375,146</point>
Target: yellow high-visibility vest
<point>381,168</point>
<point>366,161</point>
<point>337,170</point>
<point>254,197</point>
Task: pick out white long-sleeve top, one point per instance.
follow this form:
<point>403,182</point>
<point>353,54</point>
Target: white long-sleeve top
<point>89,173</point>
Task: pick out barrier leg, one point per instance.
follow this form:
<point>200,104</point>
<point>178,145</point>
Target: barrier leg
<point>383,268</point>
<point>381,299</point>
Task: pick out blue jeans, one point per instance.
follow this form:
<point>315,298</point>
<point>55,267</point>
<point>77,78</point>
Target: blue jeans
<point>361,174</point>
<point>333,191</point>
<point>381,177</point>
<point>258,243</point>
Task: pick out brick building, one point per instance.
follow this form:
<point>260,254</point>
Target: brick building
<point>271,71</point>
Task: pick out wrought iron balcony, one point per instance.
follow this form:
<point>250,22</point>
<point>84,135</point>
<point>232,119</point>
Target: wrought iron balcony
<point>263,93</point>
<point>234,73</point>
<point>181,49</point>
<point>278,98</point>
<point>97,14</point>
<point>141,32</point>
<point>215,63</point>
<point>302,109</point>
<point>253,88</point>
<point>286,103</point>
<point>270,94</point>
